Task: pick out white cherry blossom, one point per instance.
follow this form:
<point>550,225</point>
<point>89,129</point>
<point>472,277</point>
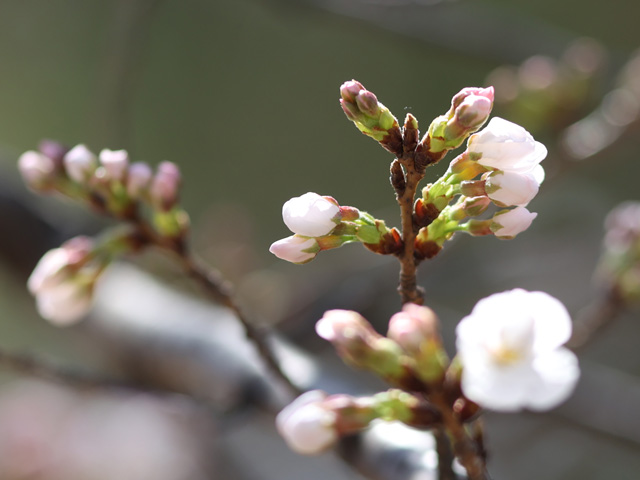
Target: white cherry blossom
<point>511,351</point>
<point>306,426</point>
<point>506,146</point>
<point>310,215</point>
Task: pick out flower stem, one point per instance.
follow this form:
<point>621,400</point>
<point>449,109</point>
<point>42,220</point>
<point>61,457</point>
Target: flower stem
<point>408,287</point>
<point>220,290</point>
<point>464,447</point>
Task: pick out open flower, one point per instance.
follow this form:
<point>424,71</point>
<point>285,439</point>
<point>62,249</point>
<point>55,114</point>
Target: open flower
<point>506,224</point>
<point>506,146</point>
<point>511,351</point>
<point>306,426</point>
<point>295,249</point>
<point>311,215</point>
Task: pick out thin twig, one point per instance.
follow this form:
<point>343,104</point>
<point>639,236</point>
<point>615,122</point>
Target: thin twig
<point>593,318</point>
<point>37,367</point>
<point>221,291</point>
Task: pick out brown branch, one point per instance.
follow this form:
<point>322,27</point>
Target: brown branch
<point>464,447</point>
<point>37,367</point>
<point>220,290</point>
<point>593,318</point>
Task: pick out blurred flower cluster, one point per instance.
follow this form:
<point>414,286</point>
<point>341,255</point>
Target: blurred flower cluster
<point>64,279</point>
<point>510,357</point>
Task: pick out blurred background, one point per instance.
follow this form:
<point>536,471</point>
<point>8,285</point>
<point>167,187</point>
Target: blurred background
<point>243,95</point>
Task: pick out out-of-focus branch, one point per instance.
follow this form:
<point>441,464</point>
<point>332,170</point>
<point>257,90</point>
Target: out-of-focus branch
<point>593,318</point>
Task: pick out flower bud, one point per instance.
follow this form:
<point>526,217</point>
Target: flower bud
<point>505,146</point>
<point>295,249</point>
<point>63,296</point>
<point>470,108</point>
<point>54,150</point>
<point>508,189</point>
<point>306,426</point>
<point>506,224</point>
<point>80,163</point>
<point>370,116</point>
<point>115,163</point>
<point>138,178</point>
<point>37,170</point>
<point>165,186</point>
<point>411,327</point>
<point>311,215</point>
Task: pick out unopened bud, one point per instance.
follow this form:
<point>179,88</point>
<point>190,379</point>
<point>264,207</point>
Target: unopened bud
<point>165,186</point>
<point>306,425</point>
<point>506,224</point>
<point>370,116</point>
<point>80,163</point>
<point>115,163</point>
<point>54,150</point>
<point>361,346</point>
<point>413,326</point>
<point>138,178</point>
<point>416,329</point>
<point>37,170</point>
<point>470,108</point>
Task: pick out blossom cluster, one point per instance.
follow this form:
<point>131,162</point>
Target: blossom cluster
<point>108,182</point>
<point>64,279</point>
<point>320,223</point>
<point>510,357</point>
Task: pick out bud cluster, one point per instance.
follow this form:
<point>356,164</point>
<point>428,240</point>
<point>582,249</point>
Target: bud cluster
<point>507,160</point>
<point>320,223</point>
<point>314,421</point>
<point>510,357</point>
<point>108,182</point>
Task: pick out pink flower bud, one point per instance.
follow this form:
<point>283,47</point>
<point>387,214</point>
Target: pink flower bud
<point>80,163</point>
<point>138,178</point>
<point>306,426</point>
<point>350,90</point>
<point>165,186</point>
<point>115,163</point>
<point>36,169</point>
<point>414,325</point>
<point>511,188</point>
<point>505,146</point>
<point>310,215</point>
<point>343,326</point>
<point>62,297</point>
<point>295,249</point>
<point>506,224</point>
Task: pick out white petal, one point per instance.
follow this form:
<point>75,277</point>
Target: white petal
<point>558,374</point>
<point>294,249</point>
<point>509,224</point>
<point>310,215</point>
<point>511,188</point>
